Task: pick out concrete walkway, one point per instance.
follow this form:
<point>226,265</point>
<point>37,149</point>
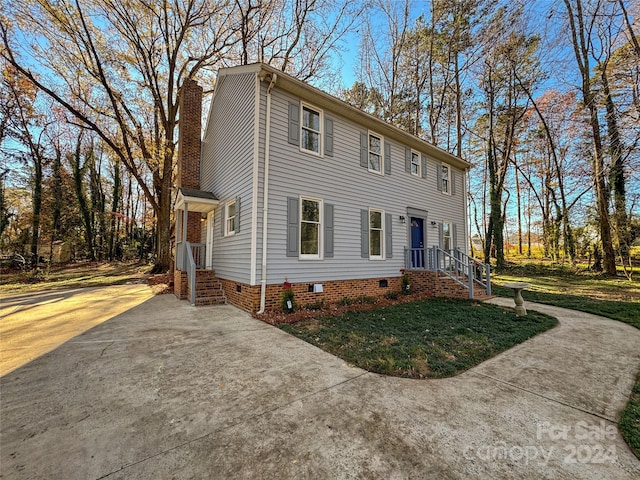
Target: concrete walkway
<point>165,390</point>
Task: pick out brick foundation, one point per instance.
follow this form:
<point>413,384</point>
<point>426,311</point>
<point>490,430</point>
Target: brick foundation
<point>180,284</point>
<point>247,297</point>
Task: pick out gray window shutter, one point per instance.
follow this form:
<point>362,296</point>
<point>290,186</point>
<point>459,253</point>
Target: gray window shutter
<point>292,226</point>
<point>439,176</point>
<point>364,233</point>
<point>387,158</point>
<point>407,159</point>
<point>454,236</point>
<point>424,166</point>
<point>453,181</point>
<point>364,150</point>
<point>328,137</point>
<point>440,235</point>
<point>237,214</point>
<point>388,237</point>
<point>294,123</point>
<point>223,219</point>
<point>328,231</point>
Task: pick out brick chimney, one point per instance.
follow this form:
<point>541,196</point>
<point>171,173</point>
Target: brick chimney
<point>189,133</point>
<point>190,130</point>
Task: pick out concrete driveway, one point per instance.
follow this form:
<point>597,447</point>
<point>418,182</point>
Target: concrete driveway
<point>165,390</point>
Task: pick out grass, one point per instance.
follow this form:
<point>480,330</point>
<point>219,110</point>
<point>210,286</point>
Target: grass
<point>630,419</point>
<point>85,274</point>
<point>431,338</point>
<point>615,298</point>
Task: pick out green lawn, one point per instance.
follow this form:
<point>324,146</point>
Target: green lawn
<point>431,338</point>
<point>628,312</point>
<point>616,298</point>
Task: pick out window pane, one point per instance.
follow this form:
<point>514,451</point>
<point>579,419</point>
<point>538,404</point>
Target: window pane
<point>310,211</point>
<point>374,144</point>
<point>374,162</point>
<point>375,220</point>
<point>310,140</point>
<point>309,238</point>
<point>311,119</point>
<point>446,229</point>
<point>231,210</point>
<point>375,237</point>
<point>415,163</point>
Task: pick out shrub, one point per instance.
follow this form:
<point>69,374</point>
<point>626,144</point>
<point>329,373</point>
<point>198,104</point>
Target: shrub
<point>392,295</point>
<point>318,305</point>
<point>406,285</point>
<point>367,299</point>
<point>287,301</point>
<point>346,301</point>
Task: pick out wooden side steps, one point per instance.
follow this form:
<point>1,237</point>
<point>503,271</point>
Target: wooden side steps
<point>209,290</point>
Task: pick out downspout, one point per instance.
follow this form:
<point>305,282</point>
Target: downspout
<point>265,200</point>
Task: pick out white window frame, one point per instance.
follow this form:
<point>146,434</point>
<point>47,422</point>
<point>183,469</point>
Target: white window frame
<point>318,256</point>
<point>449,236</point>
<point>320,132</point>
<point>382,234</point>
<point>447,179</point>
<point>227,231</point>
<point>381,154</point>
<point>419,165</point>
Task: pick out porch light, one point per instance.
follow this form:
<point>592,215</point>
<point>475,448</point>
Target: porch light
<point>402,219</point>
<point>433,224</point>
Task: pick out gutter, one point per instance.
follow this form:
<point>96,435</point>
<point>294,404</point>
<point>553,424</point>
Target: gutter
<point>254,182</point>
<point>265,191</point>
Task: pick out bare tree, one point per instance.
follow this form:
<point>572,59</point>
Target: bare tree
<point>581,25</point>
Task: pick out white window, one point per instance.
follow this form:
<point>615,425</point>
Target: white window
<point>376,234</point>
<point>375,153</point>
<point>416,164</point>
<point>447,243</point>
<point>230,218</point>
<point>310,227</point>
<point>446,179</point>
<point>311,133</point>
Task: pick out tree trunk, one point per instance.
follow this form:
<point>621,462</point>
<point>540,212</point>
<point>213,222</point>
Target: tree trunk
<point>77,171</point>
<point>37,207</point>
<point>616,174</point>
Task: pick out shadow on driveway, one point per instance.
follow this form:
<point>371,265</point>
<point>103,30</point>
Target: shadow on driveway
<point>166,390</point>
<point>34,324</point>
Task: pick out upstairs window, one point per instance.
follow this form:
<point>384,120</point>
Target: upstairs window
<point>230,218</point>
<point>446,179</point>
<point>375,153</point>
<point>311,133</point>
<point>416,167</point>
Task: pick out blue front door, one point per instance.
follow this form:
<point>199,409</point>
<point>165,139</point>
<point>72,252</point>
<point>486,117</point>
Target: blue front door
<point>417,242</point>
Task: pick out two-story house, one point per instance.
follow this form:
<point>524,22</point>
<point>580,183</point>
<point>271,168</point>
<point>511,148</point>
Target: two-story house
<point>290,184</point>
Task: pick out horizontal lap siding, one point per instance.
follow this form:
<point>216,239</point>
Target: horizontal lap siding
<point>341,181</point>
<point>227,171</point>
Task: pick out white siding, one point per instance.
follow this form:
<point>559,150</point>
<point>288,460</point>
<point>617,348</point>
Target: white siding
<point>341,181</point>
<point>227,170</point>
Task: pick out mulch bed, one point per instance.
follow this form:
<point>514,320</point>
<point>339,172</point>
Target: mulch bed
<point>277,317</point>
